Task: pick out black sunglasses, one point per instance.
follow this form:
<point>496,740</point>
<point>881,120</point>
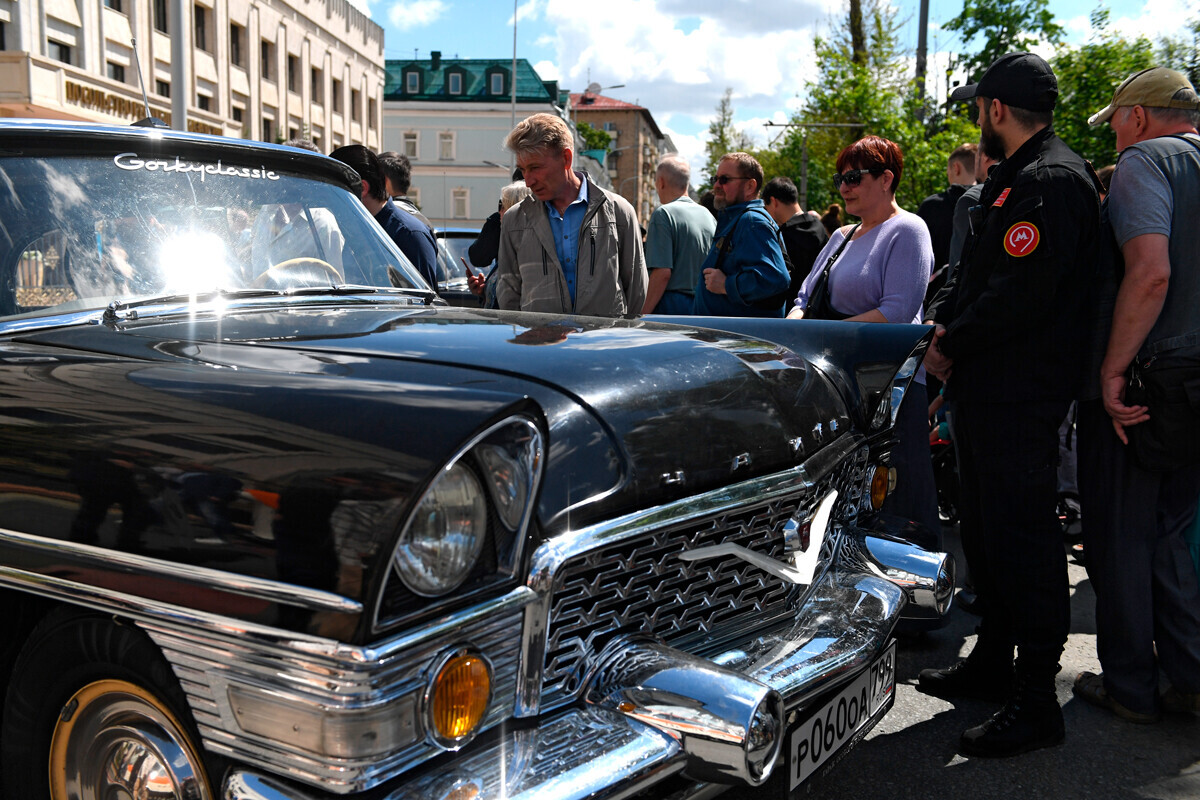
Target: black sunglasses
<point>853,177</point>
<point>721,180</point>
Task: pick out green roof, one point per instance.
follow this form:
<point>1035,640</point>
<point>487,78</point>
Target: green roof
<point>476,86</point>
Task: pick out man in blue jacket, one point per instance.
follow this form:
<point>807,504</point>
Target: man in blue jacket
<point>744,274</point>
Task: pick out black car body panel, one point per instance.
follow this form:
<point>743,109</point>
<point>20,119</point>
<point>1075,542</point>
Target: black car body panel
<point>235,423</point>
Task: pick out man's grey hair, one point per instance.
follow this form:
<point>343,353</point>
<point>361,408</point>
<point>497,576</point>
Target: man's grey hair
<point>512,194</point>
<point>540,132</point>
<point>1174,116</point>
<point>675,172</point>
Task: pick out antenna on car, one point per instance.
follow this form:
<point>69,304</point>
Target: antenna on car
<point>150,121</point>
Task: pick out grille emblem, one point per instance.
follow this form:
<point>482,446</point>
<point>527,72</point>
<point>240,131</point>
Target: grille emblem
<point>806,561</point>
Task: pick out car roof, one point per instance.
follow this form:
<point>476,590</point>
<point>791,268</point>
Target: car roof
<point>43,136</point>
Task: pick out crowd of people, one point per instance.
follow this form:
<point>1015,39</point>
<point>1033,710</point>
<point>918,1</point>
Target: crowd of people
<point>1040,298</point>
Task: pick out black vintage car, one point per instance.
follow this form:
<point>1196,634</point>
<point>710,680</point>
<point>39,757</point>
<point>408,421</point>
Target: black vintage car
<point>276,523</point>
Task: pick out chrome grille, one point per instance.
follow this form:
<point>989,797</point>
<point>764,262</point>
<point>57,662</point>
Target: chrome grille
<point>638,586</point>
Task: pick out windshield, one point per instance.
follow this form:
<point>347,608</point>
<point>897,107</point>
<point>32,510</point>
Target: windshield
<point>452,249</point>
<point>78,232</point>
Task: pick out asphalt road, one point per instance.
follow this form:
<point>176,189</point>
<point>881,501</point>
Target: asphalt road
<point>911,753</point>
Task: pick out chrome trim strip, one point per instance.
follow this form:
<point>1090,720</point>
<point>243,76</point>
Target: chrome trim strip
<point>260,588</point>
<point>180,618</point>
<point>590,753</point>
<point>552,554</point>
<point>901,382</point>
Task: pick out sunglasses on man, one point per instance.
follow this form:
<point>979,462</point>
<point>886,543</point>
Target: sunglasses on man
<point>721,180</point>
<point>853,177</point>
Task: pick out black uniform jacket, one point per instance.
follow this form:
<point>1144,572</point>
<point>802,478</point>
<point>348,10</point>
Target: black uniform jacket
<point>1014,310</point>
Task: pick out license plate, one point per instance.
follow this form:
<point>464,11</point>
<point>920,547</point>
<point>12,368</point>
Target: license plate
<point>822,732</point>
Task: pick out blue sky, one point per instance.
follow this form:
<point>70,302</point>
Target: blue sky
<point>676,57</point>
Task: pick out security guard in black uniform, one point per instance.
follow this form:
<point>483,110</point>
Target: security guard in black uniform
<point>1009,343</point>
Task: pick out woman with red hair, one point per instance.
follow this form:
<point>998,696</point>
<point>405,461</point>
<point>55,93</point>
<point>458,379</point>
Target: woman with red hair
<point>878,271</point>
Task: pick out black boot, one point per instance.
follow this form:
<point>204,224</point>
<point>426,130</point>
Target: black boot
<point>1030,720</point>
<point>986,674</point>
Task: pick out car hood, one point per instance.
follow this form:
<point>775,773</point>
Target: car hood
<point>685,408</point>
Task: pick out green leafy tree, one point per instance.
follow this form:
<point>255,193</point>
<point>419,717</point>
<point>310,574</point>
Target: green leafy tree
<point>593,138</point>
<point>1001,26</point>
<point>870,95</point>
<point>1182,51</point>
<point>723,137</point>
<point>1087,76</point>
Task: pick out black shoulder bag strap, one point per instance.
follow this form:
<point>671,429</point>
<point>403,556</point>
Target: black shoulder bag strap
<point>819,305</point>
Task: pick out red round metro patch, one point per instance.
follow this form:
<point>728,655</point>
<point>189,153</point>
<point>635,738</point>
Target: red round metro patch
<point>1021,239</point>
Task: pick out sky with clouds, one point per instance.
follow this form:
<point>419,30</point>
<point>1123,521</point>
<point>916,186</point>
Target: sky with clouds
<point>677,57</point>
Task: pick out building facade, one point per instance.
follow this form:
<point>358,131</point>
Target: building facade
<point>450,117</point>
<point>637,144</point>
<point>257,69</point>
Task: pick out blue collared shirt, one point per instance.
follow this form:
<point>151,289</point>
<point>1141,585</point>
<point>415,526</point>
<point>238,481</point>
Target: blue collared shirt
<point>565,228</point>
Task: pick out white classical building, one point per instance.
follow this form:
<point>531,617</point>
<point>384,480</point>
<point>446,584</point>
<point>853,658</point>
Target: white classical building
<point>258,69</point>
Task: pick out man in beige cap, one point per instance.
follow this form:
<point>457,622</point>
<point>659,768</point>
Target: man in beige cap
<point>1147,591</point>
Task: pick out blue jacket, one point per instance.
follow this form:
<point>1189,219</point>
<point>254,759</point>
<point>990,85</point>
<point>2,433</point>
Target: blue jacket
<point>753,265</point>
<point>413,238</point>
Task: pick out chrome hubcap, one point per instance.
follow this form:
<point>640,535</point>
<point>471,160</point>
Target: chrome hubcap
<point>116,741</point>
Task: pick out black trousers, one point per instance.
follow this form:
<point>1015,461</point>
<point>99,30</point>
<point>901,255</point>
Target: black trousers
<point>1147,592</point>
<point>1008,456</point>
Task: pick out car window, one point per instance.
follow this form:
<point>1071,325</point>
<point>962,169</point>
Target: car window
<point>451,251</point>
<point>80,232</point>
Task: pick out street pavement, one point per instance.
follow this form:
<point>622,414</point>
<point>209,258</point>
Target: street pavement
<point>911,753</point>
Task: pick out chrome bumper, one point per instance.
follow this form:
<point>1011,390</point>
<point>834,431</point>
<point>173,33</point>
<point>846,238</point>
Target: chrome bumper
<point>636,732</point>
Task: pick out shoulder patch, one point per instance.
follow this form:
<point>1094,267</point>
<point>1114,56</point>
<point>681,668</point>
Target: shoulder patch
<point>1000,200</point>
<point>1021,239</point>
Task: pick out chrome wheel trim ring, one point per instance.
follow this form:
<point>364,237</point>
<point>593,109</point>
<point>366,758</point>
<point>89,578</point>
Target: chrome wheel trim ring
<point>115,740</point>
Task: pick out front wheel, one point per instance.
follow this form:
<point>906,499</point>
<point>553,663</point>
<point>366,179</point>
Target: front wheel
<point>93,712</point>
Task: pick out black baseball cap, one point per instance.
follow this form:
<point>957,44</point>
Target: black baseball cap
<point>1023,80</point>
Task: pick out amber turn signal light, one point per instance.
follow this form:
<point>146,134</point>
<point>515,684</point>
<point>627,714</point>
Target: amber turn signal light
<point>459,697</point>
<point>881,484</point>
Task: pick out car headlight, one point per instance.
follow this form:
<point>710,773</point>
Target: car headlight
<point>445,535</point>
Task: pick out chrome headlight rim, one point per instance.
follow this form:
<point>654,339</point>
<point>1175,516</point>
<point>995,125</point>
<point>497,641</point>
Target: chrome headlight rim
<point>526,423</point>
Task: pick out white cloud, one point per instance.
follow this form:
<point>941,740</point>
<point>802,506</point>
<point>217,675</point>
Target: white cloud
<point>1151,19</point>
<point>416,13</point>
<point>678,56</point>
<point>546,70</point>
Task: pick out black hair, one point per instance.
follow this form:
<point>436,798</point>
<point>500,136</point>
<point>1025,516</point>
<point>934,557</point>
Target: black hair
<point>363,161</point>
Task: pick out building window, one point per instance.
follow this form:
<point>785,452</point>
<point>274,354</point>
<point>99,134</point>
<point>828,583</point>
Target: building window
<point>318,86</point>
<point>410,140</point>
<point>412,82</point>
<point>454,82</point>
<point>356,105</point>
<point>266,58</point>
<point>203,102</point>
<point>446,146</point>
<point>293,79</point>
<point>160,16</point>
<point>3,46</point>
<point>115,5</point>
<point>497,83</point>
<point>316,140</point>
<point>371,115</point>
<point>162,88</point>
<point>335,96</point>
<point>58,51</point>
<point>293,132</point>
<point>116,72</point>
<point>237,35</point>
<point>268,129</point>
<point>237,114</point>
<point>200,26</point>
<point>461,203</point>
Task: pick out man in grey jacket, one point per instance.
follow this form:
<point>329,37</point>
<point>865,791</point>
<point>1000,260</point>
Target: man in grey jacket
<point>571,248</point>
